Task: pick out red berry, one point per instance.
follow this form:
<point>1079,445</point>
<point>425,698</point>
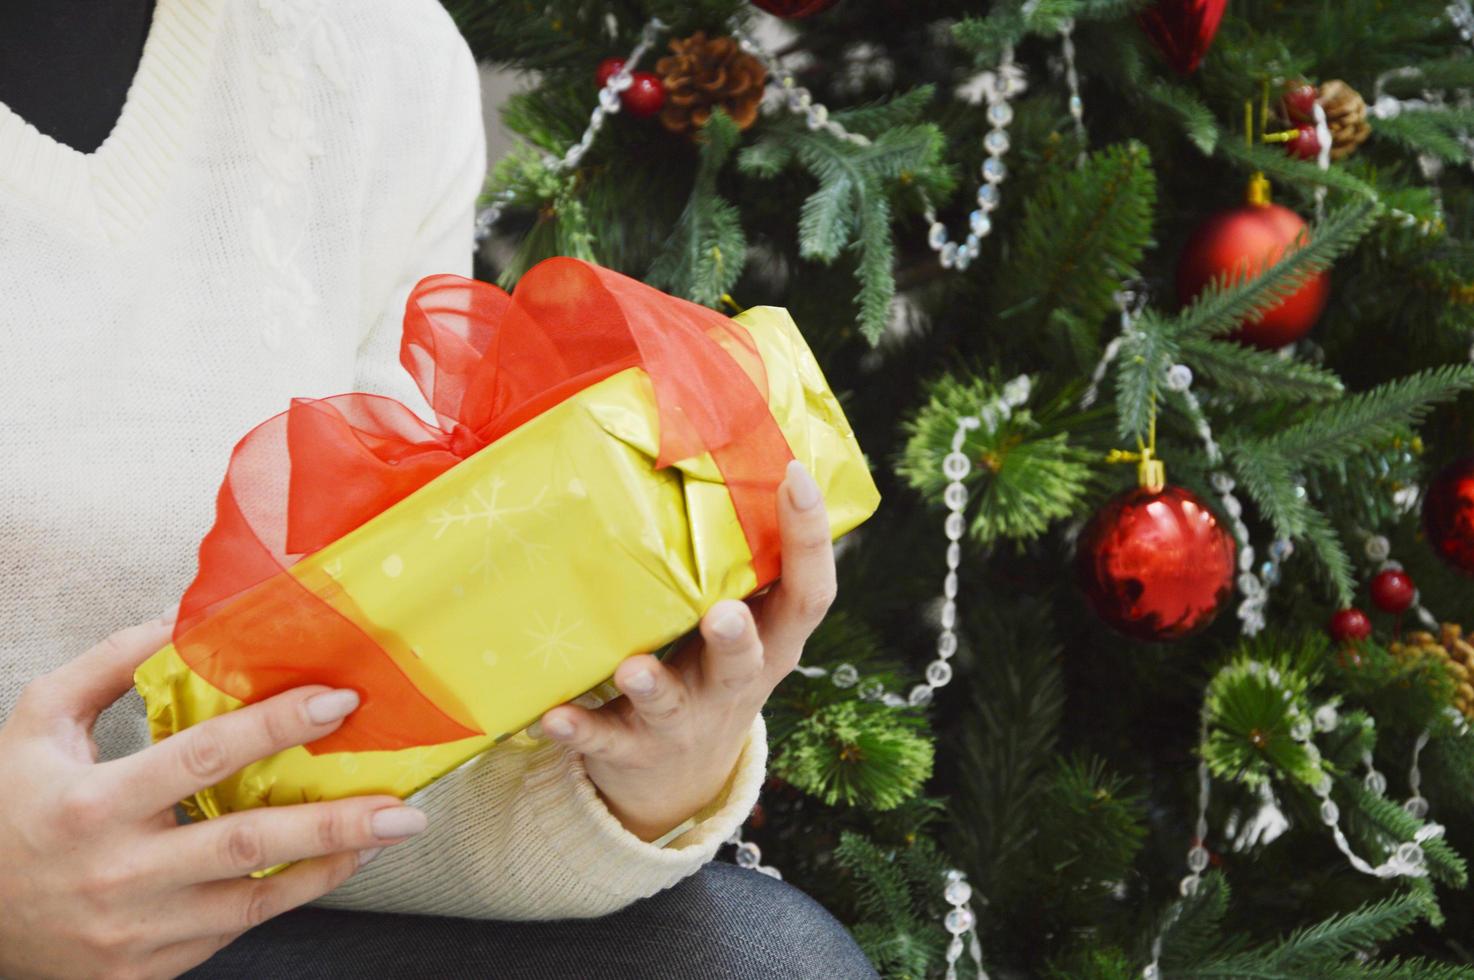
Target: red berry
<point>1350,624</point>
<point>645,95</point>
<point>1393,591</point>
<point>1299,100</point>
<point>1305,145</point>
<point>606,70</point>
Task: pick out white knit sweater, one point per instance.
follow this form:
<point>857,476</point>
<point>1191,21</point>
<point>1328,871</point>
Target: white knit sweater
<point>282,173</point>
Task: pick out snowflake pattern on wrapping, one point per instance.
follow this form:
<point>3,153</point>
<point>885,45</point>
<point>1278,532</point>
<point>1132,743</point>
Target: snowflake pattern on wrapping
<point>553,640</point>
<point>485,510</point>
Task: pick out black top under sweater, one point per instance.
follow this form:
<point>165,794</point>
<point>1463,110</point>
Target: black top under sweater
<point>65,65</point>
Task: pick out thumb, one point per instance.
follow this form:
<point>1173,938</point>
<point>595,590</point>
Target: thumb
<point>87,684</point>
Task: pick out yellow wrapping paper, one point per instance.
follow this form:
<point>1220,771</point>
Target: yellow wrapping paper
<point>520,578</point>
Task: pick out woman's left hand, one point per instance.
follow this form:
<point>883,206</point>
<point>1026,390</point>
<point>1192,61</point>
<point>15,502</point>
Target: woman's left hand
<point>666,749</point>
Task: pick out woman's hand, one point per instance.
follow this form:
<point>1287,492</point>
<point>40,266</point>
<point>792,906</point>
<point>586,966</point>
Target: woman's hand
<point>666,749</point>
<point>96,876</point>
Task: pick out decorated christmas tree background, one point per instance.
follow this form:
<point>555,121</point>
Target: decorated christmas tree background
<point>1155,322</point>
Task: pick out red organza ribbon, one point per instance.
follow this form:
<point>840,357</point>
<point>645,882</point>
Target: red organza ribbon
<point>487,362</point>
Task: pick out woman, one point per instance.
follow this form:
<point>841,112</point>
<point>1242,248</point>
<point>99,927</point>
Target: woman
<point>206,208</point>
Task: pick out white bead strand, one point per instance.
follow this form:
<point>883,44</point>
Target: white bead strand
<point>998,88</point>
<point>1407,859</point>
<point>750,856</point>
<point>1072,80</point>
<point>962,924</point>
<point>1130,301</point>
<point>1254,585</point>
<point>955,467</point>
<point>796,98</point>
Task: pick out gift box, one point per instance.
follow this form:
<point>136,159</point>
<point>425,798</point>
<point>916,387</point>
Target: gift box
<point>603,468</point>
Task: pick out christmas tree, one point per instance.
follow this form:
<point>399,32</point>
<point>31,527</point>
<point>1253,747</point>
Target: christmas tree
<point>1154,320</point>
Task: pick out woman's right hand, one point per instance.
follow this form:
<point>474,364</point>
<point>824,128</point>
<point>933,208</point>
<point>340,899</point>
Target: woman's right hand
<point>98,878</point>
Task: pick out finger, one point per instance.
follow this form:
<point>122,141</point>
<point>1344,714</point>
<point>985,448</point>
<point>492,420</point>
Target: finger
<point>160,776</point>
<point>229,908</point>
<point>657,694</point>
<point>239,843</point>
<point>82,687</point>
<point>806,591</point>
<point>732,654</point>
<point>598,734</point>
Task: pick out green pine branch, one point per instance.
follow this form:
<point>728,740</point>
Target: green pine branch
<point>706,250</point>
<point>1380,819</point>
<point>1440,132</point>
<point>1443,73</point>
<point>851,207</point>
<point>1199,124</point>
<point>1252,374</point>
<point>1011,22</point>
<point>895,893</point>
<point>1015,704</point>
<point>1358,423</point>
<point>1026,473</point>
<point>1192,929</point>
<point>1290,171</point>
<point>1091,827</point>
<point>1341,946</point>
<point>1082,233</point>
<point>1146,354</point>
<point>857,753</point>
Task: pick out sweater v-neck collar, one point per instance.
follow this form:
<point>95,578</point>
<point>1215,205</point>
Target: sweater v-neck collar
<point>108,192</point>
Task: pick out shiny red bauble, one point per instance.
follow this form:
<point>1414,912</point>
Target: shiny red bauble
<point>1156,565</point>
<point>645,95</point>
<point>1242,242</point>
<point>1182,30</point>
<point>1299,101</point>
<point>1306,144</point>
<point>1448,515</point>
<point>1393,591</point>
<point>794,9</point>
<point>1348,625</point>
<point>606,70</point>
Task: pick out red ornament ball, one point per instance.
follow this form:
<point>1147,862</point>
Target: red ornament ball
<point>1348,625</point>
<point>1242,242</point>
<point>1299,101</point>
<point>1182,30</point>
<point>645,95</point>
<point>794,9</point>
<point>1156,565</point>
<point>1393,591</point>
<point>606,70</point>
<point>1306,144</point>
<point>1448,515</point>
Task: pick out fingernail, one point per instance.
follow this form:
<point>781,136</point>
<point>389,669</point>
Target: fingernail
<point>399,821</point>
<point>332,706</point>
<point>169,615</point>
<point>802,489</point>
<point>640,682</point>
<point>728,623</point>
<point>558,727</point>
<point>364,857</point>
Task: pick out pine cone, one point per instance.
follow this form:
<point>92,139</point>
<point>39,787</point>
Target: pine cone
<point>703,74</point>
<point>1346,114</point>
<point>1450,649</point>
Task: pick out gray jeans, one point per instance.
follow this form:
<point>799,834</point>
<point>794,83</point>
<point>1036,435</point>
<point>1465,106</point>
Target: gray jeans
<point>723,923</point>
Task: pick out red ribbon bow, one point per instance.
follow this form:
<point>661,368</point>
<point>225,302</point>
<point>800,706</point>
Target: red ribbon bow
<point>487,362</point>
